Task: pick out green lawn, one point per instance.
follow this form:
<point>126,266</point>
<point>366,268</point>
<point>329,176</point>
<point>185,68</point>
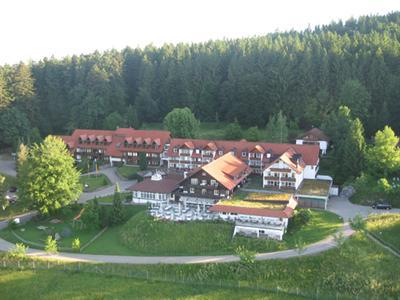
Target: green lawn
<point>216,131</point>
<point>142,235</point>
<point>67,285</point>
<point>386,227</point>
<point>94,182</point>
<point>358,269</point>
<point>128,172</point>
<point>13,209</point>
<point>31,233</point>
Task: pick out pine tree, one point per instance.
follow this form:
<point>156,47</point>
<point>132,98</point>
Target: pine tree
<point>277,130</point>
<point>117,214</point>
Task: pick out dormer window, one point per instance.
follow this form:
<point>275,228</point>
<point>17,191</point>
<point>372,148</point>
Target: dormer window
<point>175,149</point>
<point>220,152</point>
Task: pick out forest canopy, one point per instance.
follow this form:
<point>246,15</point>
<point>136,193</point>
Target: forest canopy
<point>306,75</point>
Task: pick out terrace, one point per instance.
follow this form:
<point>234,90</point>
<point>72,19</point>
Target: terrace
<point>181,212</point>
<point>314,187</point>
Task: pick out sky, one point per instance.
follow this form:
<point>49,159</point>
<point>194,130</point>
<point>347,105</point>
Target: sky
<point>32,30</point>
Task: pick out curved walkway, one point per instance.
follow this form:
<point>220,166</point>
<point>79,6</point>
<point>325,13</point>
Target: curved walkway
<point>324,245</point>
<point>110,172</point>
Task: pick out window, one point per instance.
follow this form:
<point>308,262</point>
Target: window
<point>244,153</point>
<point>194,181</point>
<point>213,182</point>
<point>216,192</point>
<point>197,151</point>
<point>258,155</point>
<point>203,191</point>
<point>220,152</point>
<point>192,190</point>
<point>203,182</point>
<point>175,149</point>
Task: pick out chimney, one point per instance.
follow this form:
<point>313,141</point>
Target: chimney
<point>185,174</point>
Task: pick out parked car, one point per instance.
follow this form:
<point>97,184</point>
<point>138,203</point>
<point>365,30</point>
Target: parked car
<point>11,198</point>
<point>381,205</point>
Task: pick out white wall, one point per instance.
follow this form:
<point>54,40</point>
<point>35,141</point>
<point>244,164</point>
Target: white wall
<point>310,172</point>
<point>323,145</point>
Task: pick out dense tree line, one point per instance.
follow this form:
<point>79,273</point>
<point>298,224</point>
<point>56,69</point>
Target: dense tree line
<point>306,75</point>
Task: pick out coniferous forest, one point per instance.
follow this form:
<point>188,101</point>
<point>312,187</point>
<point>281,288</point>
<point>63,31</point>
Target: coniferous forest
<point>306,75</point>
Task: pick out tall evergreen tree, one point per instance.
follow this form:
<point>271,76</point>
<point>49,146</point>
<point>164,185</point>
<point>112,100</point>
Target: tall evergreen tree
<point>277,130</point>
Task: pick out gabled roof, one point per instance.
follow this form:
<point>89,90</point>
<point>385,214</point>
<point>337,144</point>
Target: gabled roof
<point>228,170</point>
<point>314,134</point>
<point>309,153</point>
<point>116,139</point>
<point>165,186</point>
<point>292,159</point>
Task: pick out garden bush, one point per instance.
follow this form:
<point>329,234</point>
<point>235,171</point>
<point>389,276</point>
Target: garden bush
<point>19,251</point>
<point>51,245</point>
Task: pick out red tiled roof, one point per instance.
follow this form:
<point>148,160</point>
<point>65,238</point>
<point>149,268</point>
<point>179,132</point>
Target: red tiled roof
<point>290,160</point>
<point>226,170</point>
<point>309,153</point>
<point>164,186</point>
<point>314,134</point>
<point>116,139</point>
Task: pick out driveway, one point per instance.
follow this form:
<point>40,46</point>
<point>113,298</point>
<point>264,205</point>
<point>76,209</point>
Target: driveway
<point>343,207</point>
<point>110,172</point>
<point>7,165</point>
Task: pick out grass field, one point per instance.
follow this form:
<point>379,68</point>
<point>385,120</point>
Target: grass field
<point>94,182</point>
<point>30,232</point>
<point>216,131</point>
<point>142,235</point>
<point>128,172</point>
<point>66,285</point>
<point>386,227</point>
<point>359,269</point>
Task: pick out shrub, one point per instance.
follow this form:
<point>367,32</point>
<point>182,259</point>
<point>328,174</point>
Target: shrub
<point>76,245</point>
<point>51,245</point>
<point>12,225</point>
<point>300,245</point>
<point>300,218</point>
<point>246,256</point>
<point>91,215</point>
<point>339,238</point>
<point>358,223</point>
<point>19,251</point>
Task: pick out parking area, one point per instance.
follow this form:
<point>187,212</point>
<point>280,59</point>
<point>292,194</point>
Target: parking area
<point>347,210</point>
<point>7,165</point>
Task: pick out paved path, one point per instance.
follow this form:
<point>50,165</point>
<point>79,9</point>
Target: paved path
<point>7,165</point>
<point>347,210</point>
<point>110,172</point>
<point>315,248</point>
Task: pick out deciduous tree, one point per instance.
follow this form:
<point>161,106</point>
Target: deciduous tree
<point>51,180</point>
<point>182,123</point>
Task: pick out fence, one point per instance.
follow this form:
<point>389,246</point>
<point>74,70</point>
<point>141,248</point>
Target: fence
<point>178,278</point>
